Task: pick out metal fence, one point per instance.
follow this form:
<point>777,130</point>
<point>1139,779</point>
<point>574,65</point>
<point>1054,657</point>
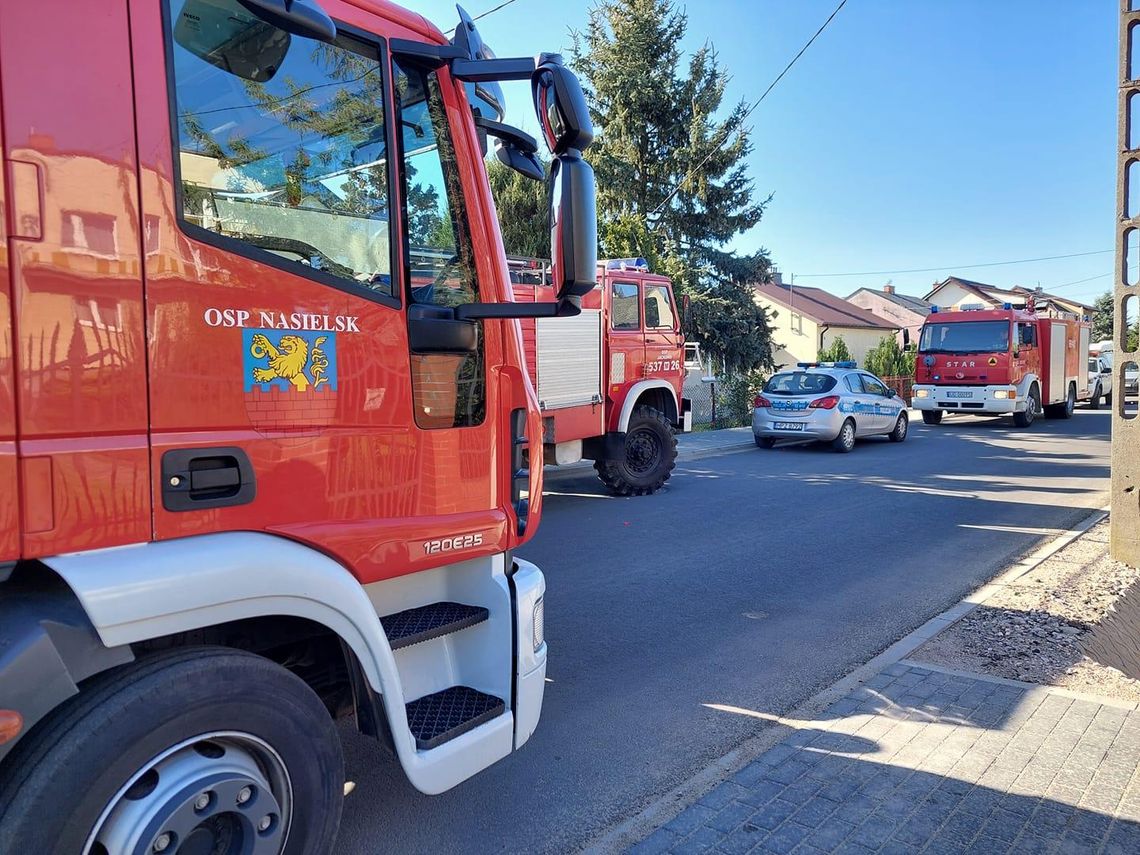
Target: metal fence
<point>902,386</point>
<point>711,405</point>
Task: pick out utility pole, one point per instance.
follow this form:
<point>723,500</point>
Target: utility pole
<point>1125,418</point>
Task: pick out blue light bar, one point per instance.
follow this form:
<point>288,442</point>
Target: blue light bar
<point>934,310</point>
<point>1007,306</point>
<point>639,264</point>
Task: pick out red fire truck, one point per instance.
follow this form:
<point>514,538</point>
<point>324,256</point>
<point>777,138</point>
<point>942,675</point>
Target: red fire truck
<point>1005,361</point>
<point>609,380</point>
<point>264,414</point>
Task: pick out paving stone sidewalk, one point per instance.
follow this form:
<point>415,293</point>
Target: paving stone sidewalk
<point>921,760</point>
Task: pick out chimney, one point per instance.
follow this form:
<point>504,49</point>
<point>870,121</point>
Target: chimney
<point>777,277</point>
<point>888,289</point>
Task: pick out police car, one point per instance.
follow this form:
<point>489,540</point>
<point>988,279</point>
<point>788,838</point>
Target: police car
<point>827,402</point>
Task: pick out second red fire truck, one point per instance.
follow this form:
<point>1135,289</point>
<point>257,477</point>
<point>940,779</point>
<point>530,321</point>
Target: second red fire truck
<point>609,381</point>
<point>1006,361</point>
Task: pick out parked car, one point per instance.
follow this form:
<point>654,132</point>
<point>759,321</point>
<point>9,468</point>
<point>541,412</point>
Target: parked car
<point>827,402</point>
<point>1100,381</point>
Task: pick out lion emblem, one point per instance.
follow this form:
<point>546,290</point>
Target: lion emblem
<point>290,359</point>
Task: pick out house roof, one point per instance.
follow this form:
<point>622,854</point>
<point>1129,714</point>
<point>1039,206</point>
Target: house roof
<point>822,307</point>
<point>1015,294</point>
<point>912,304</point>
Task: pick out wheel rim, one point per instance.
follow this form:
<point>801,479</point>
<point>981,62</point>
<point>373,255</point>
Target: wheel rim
<point>848,435</point>
<point>642,451</point>
<point>900,428</point>
<point>215,794</point>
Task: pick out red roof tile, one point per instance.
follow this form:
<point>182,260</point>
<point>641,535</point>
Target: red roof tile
<point>822,307</point>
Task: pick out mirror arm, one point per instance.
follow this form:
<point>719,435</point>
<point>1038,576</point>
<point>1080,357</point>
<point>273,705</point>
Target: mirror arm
<point>499,311</point>
<point>485,70</point>
<point>436,56</point>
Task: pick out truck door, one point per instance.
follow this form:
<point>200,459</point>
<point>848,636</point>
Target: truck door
<point>293,232</point>
<point>9,518</point>
<point>662,336</point>
<point>627,338</point>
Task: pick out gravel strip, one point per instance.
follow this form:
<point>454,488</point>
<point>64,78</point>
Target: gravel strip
<point>1039,627</point>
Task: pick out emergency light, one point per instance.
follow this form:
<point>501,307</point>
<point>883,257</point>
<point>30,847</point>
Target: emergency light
<point>637,264</point>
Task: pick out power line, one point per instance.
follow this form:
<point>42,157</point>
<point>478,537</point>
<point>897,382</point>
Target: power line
<point>954,266</point>
<point>1081,281</point>
<point>747,113</point>
<point>482,15</point>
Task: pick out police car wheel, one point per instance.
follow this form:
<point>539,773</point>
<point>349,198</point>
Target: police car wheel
<point>1094,401</point>
<point>899,433</point>
<point>845,442</point>
<point>764,441</point>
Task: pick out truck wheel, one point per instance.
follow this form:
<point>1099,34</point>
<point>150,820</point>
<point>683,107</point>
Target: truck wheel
<point>195,750</point>
<point>932,417</point>
<point>1032,407</point>
<point>899,433</point>
<point>1065,410</point>
<point>845,442</point>
<point>650,455</point>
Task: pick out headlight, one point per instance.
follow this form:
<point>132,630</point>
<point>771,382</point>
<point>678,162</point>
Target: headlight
<point>539,624</point>
<point>922,393</point>
<point>1005,394</point>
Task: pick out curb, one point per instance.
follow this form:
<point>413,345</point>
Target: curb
<point>635,828</point>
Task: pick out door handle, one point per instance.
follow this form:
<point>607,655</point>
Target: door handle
<point>200,478</point>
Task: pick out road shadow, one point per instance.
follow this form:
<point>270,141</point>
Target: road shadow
<point>915,761</point>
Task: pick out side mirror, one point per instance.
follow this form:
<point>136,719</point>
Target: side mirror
<point>906,338</point>
<point>652,314</point>
<point>565,122</point>
<point>513,148</point>
<point>686,313</point>
<point>300,17</point>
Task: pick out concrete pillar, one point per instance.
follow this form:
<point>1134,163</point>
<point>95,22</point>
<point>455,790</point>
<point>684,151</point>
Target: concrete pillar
<point>1125,418</point>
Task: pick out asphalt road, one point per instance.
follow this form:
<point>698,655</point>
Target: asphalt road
<point>755,580</point>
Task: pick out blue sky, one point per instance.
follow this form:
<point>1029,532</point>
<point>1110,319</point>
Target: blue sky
<point>910,135</point>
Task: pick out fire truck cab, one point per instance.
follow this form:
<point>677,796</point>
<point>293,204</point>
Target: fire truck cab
<point>264,415</point>
<point>1005,361</point>
<point>609,381</point>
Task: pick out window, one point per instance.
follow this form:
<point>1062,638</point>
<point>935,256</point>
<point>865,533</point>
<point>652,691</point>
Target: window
<point>797,323</point>
<point>799,383</point>
<point>658,309</point>
<point>872,386</point>
<point>89,232</point>
<point>624,309</point>
<point>290,158</point>
<point>441,261</point>
<point>965,337</point>
<point>853,384</point>
<point>448,391</point>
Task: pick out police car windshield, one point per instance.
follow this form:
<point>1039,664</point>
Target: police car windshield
<point>799,383</point>
<point>965,337</point>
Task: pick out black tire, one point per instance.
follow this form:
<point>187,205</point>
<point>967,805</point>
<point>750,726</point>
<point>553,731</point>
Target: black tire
<point>845,442</point>
<point>901,427</point>
<point>650,455</point>
<point>1094,401</point>
<point>77,761</point>
<point>1108,399</point>
<point>1065,410</point>
<point>932,417</point>
<point>1033,406</point>
<point>764,441</point>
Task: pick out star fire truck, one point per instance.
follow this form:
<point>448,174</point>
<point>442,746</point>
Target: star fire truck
<point>265,414</point>
<point>609,381</point>
<point>1006,361</point>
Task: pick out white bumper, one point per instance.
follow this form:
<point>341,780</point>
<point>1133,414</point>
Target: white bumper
<point>530,586</point>
<point>967,399</point>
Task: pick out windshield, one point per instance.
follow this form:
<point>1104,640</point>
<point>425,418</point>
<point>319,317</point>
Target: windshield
<point>799,383</point>
<point>965,337</point>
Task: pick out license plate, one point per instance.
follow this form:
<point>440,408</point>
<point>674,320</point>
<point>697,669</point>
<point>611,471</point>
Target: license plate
<point>959,394</point>
<point>789,425</point>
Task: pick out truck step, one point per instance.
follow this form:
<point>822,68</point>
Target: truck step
<point>434,719</point>
<point>424,623</point>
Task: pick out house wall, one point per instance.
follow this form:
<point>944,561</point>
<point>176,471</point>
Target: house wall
<point>790,344</point>
<point>883,308</point>
<point>954,296</point>
<point>859,340</point>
